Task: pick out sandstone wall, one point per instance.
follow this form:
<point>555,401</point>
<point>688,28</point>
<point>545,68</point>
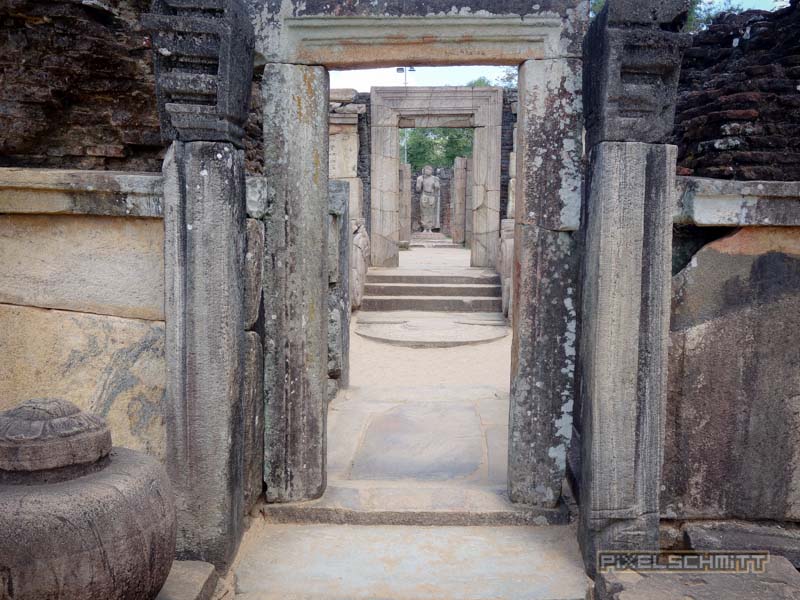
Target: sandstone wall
<point>738,111</point>
<point>82,313</point>
<point>733,414</point>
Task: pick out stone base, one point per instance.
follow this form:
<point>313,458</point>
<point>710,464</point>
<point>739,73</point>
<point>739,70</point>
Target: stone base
<point>189,580</point>
<point>780,581</point>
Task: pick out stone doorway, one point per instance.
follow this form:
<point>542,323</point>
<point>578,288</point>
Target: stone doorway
<point>410,107</point>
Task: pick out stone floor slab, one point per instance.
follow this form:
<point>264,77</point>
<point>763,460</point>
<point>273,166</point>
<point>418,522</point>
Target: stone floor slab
<point>421,441</point>
<point>403,563</point>
<point>422,329</point>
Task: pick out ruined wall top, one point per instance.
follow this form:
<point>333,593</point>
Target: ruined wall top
<point>738,109</point>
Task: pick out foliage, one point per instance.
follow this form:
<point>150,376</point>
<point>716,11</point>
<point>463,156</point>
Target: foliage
<point>481,81</point>
<point>436,146</point>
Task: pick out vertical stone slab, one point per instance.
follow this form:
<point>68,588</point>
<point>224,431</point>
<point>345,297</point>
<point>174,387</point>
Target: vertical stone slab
<point>253,420</point>
<point>204,247</point>
<point>550,144</point>
<point>339,246</point>
<point>253,263</point>
<point>405,202</point>
<point>295,280</point>
<point>385,185</point>
<point>486,192</point>
<point>547,198</point>
<point>469,220</point>
<point>625,294</point>
<point>542,363</point>
<point>459,200</point>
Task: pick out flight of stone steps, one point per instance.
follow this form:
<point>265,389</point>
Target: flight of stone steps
<point>399,290</point>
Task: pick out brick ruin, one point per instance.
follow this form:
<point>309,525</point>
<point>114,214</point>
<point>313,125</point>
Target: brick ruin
<point>738,111</point>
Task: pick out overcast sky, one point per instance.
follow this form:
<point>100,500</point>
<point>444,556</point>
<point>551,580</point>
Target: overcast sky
<point>364,79</point>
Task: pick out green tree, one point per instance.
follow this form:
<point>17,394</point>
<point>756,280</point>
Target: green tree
<point>437,146</point>
<point>481,81</point>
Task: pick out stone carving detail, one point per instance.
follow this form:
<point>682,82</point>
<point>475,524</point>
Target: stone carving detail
<point>68,497</point>
<point>203,54</point>
<point>631,63</point>
<point>429,185</point>
<point>49,434</point>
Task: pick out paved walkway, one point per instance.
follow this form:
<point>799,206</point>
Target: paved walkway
<point>419,439</point>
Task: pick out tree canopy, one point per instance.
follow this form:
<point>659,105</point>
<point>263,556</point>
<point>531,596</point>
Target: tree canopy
<point>436,146</point>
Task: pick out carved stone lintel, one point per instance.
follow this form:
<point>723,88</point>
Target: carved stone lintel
<point>203,55</point>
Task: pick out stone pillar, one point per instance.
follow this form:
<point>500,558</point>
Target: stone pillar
<point>486,190</point>
<point>459,199</point>
<point>405,205</point>
<point>468,206</point>
<point>295,280</point>
<point>625,284</point>
<point>385,186</point>
<point>548,198</point>
<point>624,337</point>
<point>339,243</point>
<point>204,264</point>
<point>204,243</point>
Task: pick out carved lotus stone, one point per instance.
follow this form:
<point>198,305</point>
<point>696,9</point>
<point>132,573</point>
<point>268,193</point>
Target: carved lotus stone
<point>79,518</point>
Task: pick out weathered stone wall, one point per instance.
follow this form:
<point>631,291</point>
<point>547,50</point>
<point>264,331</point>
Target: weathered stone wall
<point>78,88</point>
<point>732,445</point>
<point>82,313</point>
<point>738,112</point>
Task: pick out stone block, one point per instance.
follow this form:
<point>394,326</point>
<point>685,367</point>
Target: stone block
<point>545,272</point>
<point>210,105</point>
<point>253,261</point>
<point>779,581</point>
<point>295,280</point>
<point>343,155</point>
<point>740,536</point>
<point>732,437</point>
<point>635,12</point>
<point>204,224</point>
<point>253,413</point>
<point>631,73</point>
<point>104,265</point>
<point>343,95</point>
<point>189,580</point>
<point>623,344</point>
<point>549,153</point>
<point>109,366</point>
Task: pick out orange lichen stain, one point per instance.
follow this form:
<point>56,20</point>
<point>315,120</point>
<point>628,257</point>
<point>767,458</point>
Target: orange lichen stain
<point>760,240</point>
<point>317,164</point>
<point>299,102</point>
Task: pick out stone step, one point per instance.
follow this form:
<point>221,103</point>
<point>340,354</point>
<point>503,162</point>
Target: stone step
<point>433,278</point>
<point>432,289</point>
<point>410,503</point>
<point>432,303</point>
<point>338,562</point>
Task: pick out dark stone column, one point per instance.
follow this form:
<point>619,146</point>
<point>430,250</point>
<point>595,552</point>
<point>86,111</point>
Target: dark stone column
<point>339,233</point>
<point>295,280</point>
<point>632,59</point>
<point>203,112</point>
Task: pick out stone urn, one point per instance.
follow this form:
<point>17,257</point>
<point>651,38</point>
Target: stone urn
<point>78,518</point>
